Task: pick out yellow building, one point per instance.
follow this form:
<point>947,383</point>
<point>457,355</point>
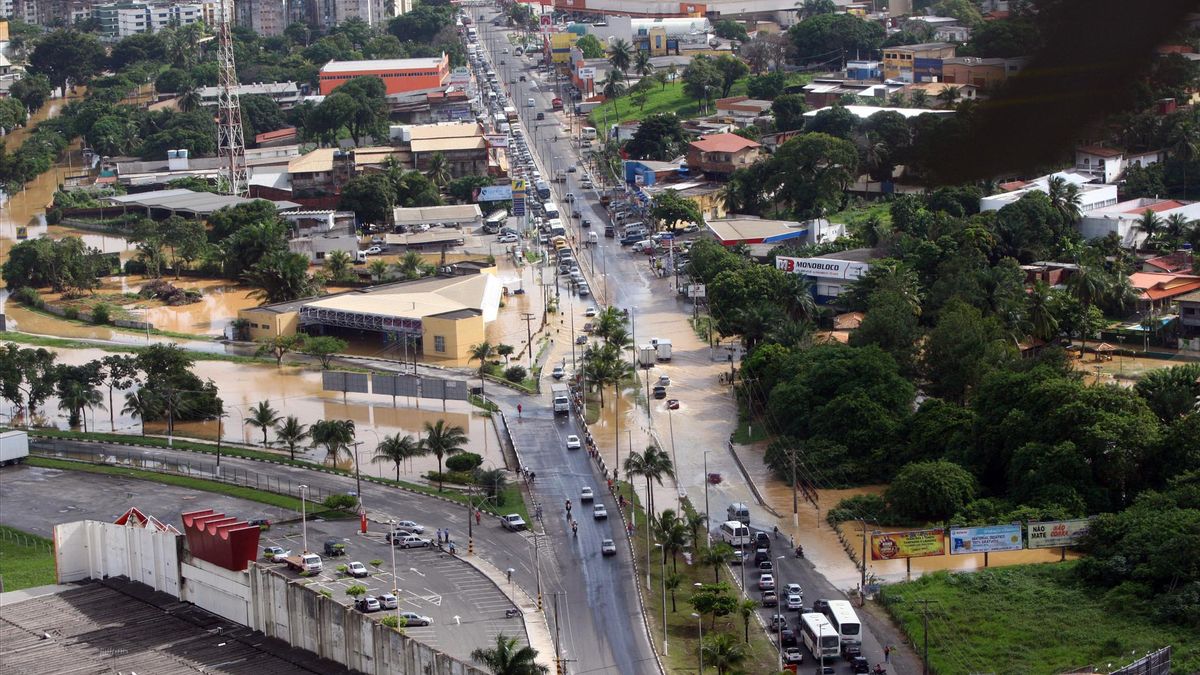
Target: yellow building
<point>916,63</point>
<point>560,45</point>
<point>447,314</point>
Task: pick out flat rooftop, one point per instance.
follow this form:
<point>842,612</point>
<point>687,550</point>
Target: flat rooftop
<point>755,230</point>
<point>120,626</point>
<point>188,201</point>
<point>381,64</point>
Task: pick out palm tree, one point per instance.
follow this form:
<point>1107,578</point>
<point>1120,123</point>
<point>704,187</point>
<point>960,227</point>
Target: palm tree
<point>481,353</point>
<point>723,652</point>
<point>918,99</point>
<point>264,417</point>
<point>1176,225</point>
<point>189,98</point>
<point>1064,199</point>
<point>1185,147</point>
<point>641,64</point>
<point>948,96</point>
<point>337,263</point>
<point>658,464</point>
<point>694,521</point>
<point>334,435</point>
<point>75,397</point>
<point>378,269</point>
<point>671,532</point>
<point>396,450</point>
<point>1088,284</point>
<point>613,87</point>
<point>802,303</point>
<point>635,465</point>
<point>439,170</point>
<point>620,55</point>
<point>410,265</point>
<point>716,555</point>
<point>747,608</point>
<point>138,407</point>
<point>1149,223</point>
<point>291,433</point>
<point>506,658</point>
<point>443,440</point>
<point>1039,307</point>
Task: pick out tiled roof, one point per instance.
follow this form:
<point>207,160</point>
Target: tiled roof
<point>1099,151</point>
<point>723,143</point>
<point>1158,207</point>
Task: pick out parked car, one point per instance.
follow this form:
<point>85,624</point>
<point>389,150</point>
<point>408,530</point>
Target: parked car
<point>599,512</point>
<point>410,527</point>
<point>357,570</point>
<point>334,548</point>
<point>608,547</point>
<point>585,494</point>
<point>821,606</point>
<point>388,601</point>
<point>374,250</point>
<point>262,523</point>
<point>367,603</point>
<point>274,552</point>
<point>573,442</point>
<point>689,228</point>
<point>414,619</point>
<point>761,554</point>
<point>411,541</point>
<point>766,566</point>
<point>508,239</point>
<point>793,588</point>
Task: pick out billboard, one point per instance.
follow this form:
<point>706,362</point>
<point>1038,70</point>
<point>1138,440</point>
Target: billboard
<point>988,539</point>
<point>587,73</point>
<point>911,544</point>
<point>496,140</point>
<point>1056,533</point>
<point>824,268</point>
<point>495,193</point>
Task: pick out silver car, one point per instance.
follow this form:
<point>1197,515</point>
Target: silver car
<point>414,619</point>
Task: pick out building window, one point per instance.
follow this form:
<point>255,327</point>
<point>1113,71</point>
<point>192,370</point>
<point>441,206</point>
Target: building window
<point>439,344</point>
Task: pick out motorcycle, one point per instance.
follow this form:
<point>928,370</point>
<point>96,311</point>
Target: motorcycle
<point>799,551</point>
<point>575,528</point>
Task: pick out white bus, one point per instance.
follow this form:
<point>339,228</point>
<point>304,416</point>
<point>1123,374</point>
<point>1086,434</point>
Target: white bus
<point>843,619</point>
<point>495,221</point>
<point>589,133</point>
<point>819,635</point>
<point>735,534</point>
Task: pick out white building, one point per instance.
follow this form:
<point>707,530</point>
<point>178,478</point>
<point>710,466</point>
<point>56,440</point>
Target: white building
<point>316,234</point>
<point>1122,218</point>
<point>286,94</point>
<point>863,112</point>
<point>1109,164</point>
<point>119,20</point>
<point>1092,196</point>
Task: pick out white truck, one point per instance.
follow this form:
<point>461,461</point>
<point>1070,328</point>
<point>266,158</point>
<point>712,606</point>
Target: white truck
<point>647,355</point>
<point>14,447</point>
<point>662,347</point>
<point>561,395</point>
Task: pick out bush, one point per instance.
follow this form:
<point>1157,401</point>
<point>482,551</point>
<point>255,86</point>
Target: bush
<point>135,266</point>
<point>463,461</point>
<point>459,477</point>
<point>377,562</point>
<point>71,313</point>
<point>356,590</point>
<point>326,592</point>
<point>101,313</point>
<point>930,491</point>
<point>340,502</point>
<point>391,621</point>
<point>515,373</point>
<point>54,215</point>
<point>868,507</point>
<point>28,296</point>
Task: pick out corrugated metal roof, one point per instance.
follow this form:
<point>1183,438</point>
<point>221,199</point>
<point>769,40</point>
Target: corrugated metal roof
<point>187,201</point>
<point>460,213</point>
<point>380,64</point>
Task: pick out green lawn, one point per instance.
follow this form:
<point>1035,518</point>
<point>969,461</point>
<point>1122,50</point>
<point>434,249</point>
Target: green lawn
<point>1031,619</point>
<point>25,560</point>
<point>858,214</point>
<point>661,100</point>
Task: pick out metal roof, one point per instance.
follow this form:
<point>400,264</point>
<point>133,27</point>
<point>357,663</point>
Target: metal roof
<point>188,201</point>
<point>460,213</point>
<point>381,64</point>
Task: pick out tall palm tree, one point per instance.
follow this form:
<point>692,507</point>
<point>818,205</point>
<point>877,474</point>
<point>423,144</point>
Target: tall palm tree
<point>723,652</point>
<point>397,450</point>
<point>1039,308</point>
<point>336,436</point>
<point>948,96</point>
<point>338,263</point>
<point>1185,147</point>
<point>658,464</point>
<point>75,397</point>
<point>439,170</point>
<point>673,581</point>
<point>1064,199</point>
<point>746,608</point>
<point>609,320</point>
<point>1089,284</point>
<point>507,658</point>
<point>620,55</point>
<point>138,407</point>
<point>1151,224</point>
<point>802,304</point>
<point>635,465</point>
<point>189,98</point>
<point>291,433</point>
<point>410,265</point>
<point>716,555</point>
<point>1175,227</point>
<point>613,87</point>
<point>918,99</point>
<point>264,417</point>
<point>671,532</point>
<point>481,353</point>
<point>443,440</point>
<point>694,521</point>
<point>641,64</point>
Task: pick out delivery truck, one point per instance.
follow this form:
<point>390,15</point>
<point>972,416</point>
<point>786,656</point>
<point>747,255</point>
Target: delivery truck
<point>647,355</point>
<point>14,447</point>
<point>305,562</point>
<point>561,395</point>
<point>662,348</point>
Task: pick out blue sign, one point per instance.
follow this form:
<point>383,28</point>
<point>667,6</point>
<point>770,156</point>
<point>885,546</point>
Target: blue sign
<point>495,193</point>
<point>518,206</point>
<point>985,539</point>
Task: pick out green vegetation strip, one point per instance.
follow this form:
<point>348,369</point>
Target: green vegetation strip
<point>62,343</point>
<point>270,498</point>
<point>660,99</point>
<point>1032,619</point>
<point>25,560</point>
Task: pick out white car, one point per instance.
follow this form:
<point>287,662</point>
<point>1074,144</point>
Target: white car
<point>414,619</point>
<point>689,228</point>
<point>585,494</point>
<point>508,238</point>
<point>793,589</point>
<point>367,604</point>
<point>573,442</point>
<point>558,373</point>
<point>608,547</point>
<point>590,312</point>
<point>374,250</point>
<point>388,601</point>
<point>410,526</point>
<point>411,541</point>
<point>599,512</point>
<point>766,582</point>
<point>570,196</point>
<point>357,570</point>
<point>664,380</point>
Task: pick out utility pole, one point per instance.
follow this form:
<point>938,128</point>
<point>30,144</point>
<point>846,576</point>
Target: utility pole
<point>529,317</point>
<point>558,662</point>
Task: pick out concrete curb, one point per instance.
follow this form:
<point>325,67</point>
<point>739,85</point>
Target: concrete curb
<point>753,486</point>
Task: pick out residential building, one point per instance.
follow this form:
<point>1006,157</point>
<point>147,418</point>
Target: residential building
<point>706,195</point>
<point>277,138</point>
<point>822,92</point>
<point>119,20</point>
<point>1122,218</point>
<point>268,18</point>
<point>916,63</point>
<point>719,155</point>
<point>1109,164</point>
<point>398,75</point>
<point>1157,290</point>
<point>316,234</point>
<point>1176,261</point>
<point>144,173</point>
<point>933,90</point>
<point>1189,318</point>
<point>461,143</point>
<point>986,74</point>
<point>864,70</point>
<point>323,172</point>
<point>286,94</point>
<point>1092,196</point>
<point>743,108</point>
<point>658,36</point>
<point>781,10</point>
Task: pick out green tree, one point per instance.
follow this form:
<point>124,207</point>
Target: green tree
<point>1171,392</point>
<point>789,111</point>
<point>961,348</point>
<point>816,170</point>
<point>279,345</point>
<point>590,46</point>
<point>292,433</point>
<point>836,121</point>
<point>443,440</point>
<point>730,30</point>
<point>826,35</point>
<point>724,653</point>
<point>370,196</point>
<point>280,276</point>
<point>186,239</point>
<point>702,78</point>
<point>264,417</point>
<point>732,69</point>
<point>930,491</point>
<point>64,56</point>
<point>439,170</point>
<point>463,189</point>
<point>714,599</point>
<point>717,555</point>
<point>481,353</point>
<point>509,658</point>
<point>747,609</point>
<point>659,137</point>
<point>336,436</point>
<point>339,264</point>
<point>397,449</point>
<point>323,347</point>
<point>620,55</point>
<point>1004,39</point>
<point>892,325</point>
<point>380,270</point>
<point>767,86</point>
<point>32,91</point>
<point>670,210</point>
<point>671,533</point>
<point>138,407</point>
<point>120,372</point>
<point>78,390</point>
<point>672,582</point>
<point>642,66</point>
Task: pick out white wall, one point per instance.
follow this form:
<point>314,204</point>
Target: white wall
<point>215,589</point>
<point>91,549</point>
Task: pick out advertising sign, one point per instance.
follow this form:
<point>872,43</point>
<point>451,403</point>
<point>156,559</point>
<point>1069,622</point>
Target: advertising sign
<point>696,291</point>
<point>825,268</point>
<point>547,23</point>
<point>587,73</point>
<point>1056,533</point>
<point>495,193</point>
<point>460,75</point>
<point>990,539</point>
<point>911,544</point>
<point>496,140</point>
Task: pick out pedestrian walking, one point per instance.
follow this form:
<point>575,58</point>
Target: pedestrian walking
<point>447,533</point>
<point>478,516</point>
<point>887,654</point>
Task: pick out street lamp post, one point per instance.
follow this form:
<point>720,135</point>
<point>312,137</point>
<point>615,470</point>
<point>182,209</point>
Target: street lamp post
<point>395,581</point>
<point>675,460</point>
<point>304,516</point>
<point>700,639</point>
<point>664,596</point>
<point>707,518</point>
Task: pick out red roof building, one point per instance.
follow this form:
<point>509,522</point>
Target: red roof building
<point>1158,288</point>
<point>718,155</point>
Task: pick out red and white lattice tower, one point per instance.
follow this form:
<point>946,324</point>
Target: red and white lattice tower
<point>230,144</point>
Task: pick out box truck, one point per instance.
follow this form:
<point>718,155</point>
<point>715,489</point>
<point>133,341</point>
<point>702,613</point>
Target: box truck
<point>646,355</point>
<point>561,395</point>
<point>662,347</point>
<point>14,447</point>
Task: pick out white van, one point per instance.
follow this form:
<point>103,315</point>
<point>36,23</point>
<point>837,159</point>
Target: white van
<point>530,103</point>
<point>589,133</point>
<point>593,239</point>
<point>739,512</point>
<point>735,533</point>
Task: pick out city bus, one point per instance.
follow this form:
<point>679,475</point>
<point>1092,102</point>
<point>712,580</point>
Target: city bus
<point>819,635</point>
<point>495,221</point>
<point>843,619</point>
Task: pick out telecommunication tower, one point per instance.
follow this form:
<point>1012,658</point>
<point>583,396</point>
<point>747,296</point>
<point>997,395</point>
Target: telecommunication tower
<point>230,144</point>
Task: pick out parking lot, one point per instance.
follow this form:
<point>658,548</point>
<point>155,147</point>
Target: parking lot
<point>467,609</point>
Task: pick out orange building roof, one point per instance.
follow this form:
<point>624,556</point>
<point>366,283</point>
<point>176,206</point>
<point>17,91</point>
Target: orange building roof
<point>1158,207</point>
<point>1160,286</point>
<point>723,143</point>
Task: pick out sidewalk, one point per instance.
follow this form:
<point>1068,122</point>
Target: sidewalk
<point>537,630</point>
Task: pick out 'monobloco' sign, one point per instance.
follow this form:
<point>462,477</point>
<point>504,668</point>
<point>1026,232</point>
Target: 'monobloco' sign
<point>825,268</point>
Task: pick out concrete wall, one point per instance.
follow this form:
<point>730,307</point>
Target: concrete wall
<point>91,549</point>
<point>223,592</point>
